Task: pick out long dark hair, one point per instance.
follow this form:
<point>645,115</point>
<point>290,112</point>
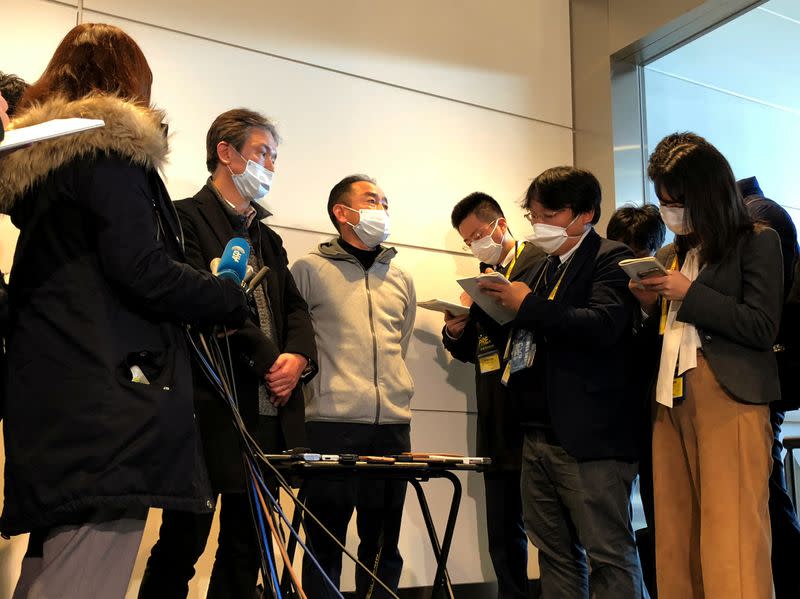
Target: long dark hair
<point>691,171</point>
<point>94,58</point>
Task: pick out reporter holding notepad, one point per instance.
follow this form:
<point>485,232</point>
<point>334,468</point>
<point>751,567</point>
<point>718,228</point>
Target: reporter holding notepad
<point>477,338</point>
<point>719,309</point>
<point>568,371</point>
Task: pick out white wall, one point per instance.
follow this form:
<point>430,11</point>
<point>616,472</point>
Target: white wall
<point>435,99</point>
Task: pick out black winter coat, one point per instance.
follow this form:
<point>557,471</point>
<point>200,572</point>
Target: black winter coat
<point>207,230</point>
<point>96,287</point>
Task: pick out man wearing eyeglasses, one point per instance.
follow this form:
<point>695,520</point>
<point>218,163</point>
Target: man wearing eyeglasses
<point>477,338</point>
<point>568,369</point>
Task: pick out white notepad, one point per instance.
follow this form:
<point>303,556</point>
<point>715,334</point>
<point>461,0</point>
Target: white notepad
<point>15,138</point>
<point>443,306</point>
<point>487,303</point>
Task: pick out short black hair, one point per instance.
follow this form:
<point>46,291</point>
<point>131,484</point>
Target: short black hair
<point>638,226</point>
<point>563,187</point>
<point>340,190</point>
<point>12,88</point>
<point>478,203</point>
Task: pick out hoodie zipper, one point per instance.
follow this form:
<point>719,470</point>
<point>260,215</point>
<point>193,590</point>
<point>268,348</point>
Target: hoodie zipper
<point>374,350</point>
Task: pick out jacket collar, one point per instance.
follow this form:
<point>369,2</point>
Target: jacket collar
<point>214,214</point>
<point>130,130</point>
<point>749,187</point>
<point>586,251</point>
<point>334,251</point>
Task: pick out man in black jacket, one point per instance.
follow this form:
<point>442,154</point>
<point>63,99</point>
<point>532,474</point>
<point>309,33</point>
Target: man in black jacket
<point>567,369</point>
<point>272,354</point>
<point>782,515</point>
<point>479,339</point>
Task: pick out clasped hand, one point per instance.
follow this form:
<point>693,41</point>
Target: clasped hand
<point>283,376</point>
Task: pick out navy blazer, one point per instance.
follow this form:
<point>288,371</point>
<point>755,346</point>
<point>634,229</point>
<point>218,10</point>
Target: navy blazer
<point>583,335</point>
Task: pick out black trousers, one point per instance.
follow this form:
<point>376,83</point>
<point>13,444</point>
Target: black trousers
<point>783,519</point>
<point>378,505</point>
<point>508,543</point>
<point>183,536</point>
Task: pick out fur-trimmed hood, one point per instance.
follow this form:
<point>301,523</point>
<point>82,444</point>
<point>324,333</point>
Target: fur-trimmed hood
<point>131,130</point>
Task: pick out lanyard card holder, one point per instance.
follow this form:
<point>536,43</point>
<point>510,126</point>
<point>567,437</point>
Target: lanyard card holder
<point>520,353</point>
<point>488,356</point>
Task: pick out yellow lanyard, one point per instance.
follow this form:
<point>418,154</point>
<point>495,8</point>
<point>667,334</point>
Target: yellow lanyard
<point>520,246</point>
<point>552,294</point>
<point>662,325</point>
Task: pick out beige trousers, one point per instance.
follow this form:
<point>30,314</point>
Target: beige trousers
<point>711,466</point>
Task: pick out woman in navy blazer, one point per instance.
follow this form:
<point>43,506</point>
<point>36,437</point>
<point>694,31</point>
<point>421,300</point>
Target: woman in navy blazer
<point>719,307</point>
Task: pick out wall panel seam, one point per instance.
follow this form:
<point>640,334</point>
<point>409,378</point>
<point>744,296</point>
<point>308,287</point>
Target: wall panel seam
<point>398,244</point>
<point>336,71</point>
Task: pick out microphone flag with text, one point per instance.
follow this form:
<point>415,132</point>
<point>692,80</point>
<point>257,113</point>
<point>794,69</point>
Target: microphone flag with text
<point>233,262</point>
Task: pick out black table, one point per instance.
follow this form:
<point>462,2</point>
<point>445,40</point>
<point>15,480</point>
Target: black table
<point>413,472</point>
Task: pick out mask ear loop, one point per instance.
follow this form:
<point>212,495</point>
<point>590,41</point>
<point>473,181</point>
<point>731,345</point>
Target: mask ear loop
<point>239,154</point>
<point>572,222</point>
<point>354,210</point>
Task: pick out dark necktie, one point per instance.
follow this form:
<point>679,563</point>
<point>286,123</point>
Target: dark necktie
<point>551,270</point>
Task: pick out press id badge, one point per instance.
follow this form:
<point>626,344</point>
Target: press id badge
<point>678,387</point>
<point>488,356</point>
<point>519,353</point>
<point>523,350</point>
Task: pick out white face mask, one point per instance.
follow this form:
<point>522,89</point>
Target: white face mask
<point>549,238</point>
<point>486,249</point>
<point>254,183</point>
<point>674,219</point>
<point>373,226</point>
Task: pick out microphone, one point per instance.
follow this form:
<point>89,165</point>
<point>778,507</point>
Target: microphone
<point>247,275</point>
<point>256,280</point>
<point>233,262</point>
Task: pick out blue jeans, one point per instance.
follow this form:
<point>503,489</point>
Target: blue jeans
<point>578,514</point>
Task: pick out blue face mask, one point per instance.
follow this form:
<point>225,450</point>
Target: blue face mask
<point>254,183</point>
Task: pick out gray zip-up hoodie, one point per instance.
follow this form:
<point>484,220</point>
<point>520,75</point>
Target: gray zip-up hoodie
<point>363,320</point>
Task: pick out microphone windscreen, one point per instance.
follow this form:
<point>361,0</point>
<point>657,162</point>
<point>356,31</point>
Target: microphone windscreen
<point>233,262</point>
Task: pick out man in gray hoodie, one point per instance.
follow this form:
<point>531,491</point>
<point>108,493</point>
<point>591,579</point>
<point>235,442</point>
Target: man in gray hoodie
<point>363,310</point>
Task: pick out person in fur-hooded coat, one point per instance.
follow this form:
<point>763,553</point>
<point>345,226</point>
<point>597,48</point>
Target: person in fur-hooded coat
<point>98,286</point>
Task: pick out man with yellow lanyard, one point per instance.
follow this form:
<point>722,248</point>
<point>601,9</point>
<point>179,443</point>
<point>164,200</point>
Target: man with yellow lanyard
<point>477,338</point>
<point>567,368</point>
